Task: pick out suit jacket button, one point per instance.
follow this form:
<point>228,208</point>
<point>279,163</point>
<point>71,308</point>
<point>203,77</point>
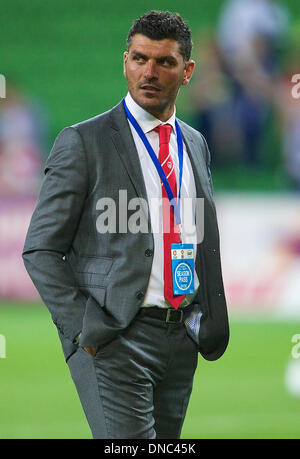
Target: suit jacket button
<point>139,295</point>
<point>148,253</point>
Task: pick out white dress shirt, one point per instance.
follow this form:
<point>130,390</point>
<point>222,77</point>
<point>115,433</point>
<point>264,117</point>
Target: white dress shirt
<point>147,122</point>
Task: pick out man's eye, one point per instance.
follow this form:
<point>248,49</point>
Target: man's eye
<point>165,62</point>
<point>138,58</point>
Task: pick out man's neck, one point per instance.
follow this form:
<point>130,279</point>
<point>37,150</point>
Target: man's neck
<point>161,116</point>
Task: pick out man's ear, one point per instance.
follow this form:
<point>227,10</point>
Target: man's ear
<point>188,71</point>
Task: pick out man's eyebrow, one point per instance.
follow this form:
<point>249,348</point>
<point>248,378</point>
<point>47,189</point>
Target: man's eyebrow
<point>139,54</point>
<point>168,57</point>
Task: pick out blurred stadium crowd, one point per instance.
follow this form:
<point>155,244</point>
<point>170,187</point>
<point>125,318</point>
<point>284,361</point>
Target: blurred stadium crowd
<point>243,79</point>
<point>22,144</point>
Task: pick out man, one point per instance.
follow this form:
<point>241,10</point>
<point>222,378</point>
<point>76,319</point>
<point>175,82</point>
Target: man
<point>130,338</point>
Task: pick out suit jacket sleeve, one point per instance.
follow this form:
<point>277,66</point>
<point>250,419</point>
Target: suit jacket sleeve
<point>51,231</point>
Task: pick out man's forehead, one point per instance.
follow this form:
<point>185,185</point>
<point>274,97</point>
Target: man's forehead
<point>144,45</point>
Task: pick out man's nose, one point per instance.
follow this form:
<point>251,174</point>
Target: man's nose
<point>150,70</point>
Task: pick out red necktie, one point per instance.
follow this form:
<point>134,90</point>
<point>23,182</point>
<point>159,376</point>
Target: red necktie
<point>170,232</point>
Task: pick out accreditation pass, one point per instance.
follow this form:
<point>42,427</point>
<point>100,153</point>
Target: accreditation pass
<point>183,269</point>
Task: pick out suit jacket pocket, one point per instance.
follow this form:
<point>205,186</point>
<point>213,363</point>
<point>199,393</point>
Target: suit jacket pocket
<point>92,271</point>
<point>94,265</point>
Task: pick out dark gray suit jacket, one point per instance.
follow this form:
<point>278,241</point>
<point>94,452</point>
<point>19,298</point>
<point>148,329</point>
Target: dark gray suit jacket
<point>95,283</point>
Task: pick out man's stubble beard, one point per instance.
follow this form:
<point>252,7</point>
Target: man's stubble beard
<point>154,109</point>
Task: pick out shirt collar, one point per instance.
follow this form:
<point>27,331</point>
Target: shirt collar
<point>147,121</point>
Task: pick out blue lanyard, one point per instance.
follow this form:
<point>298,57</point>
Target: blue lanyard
<point>176,206</point>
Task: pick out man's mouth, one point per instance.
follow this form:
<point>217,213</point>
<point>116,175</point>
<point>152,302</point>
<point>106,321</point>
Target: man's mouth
<point>150,88</point>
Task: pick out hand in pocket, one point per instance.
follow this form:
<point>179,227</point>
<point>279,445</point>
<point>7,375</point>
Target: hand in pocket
<point>91,350</point>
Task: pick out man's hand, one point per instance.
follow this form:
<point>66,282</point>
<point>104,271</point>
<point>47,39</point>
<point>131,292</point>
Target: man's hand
<point>91,350</point>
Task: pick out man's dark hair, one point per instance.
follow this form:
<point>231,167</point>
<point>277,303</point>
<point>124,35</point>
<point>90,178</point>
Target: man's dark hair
<point>158,25</point>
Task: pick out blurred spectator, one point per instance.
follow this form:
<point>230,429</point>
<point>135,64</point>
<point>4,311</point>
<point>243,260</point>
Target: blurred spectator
<point>244,62</point>
<point>212,104</point>
<point>288,103</point>
<point>252,29</point>
<point>250,36</point>
<point>21,149</point>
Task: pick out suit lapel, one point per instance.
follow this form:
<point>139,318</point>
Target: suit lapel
<point>125,146</point>
<point>194,156</point>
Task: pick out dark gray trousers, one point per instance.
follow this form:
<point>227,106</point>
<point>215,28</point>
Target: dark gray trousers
<point>138,385</point>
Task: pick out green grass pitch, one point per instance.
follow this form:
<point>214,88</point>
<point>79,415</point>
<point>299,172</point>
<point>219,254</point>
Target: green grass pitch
<point>243,395</point>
